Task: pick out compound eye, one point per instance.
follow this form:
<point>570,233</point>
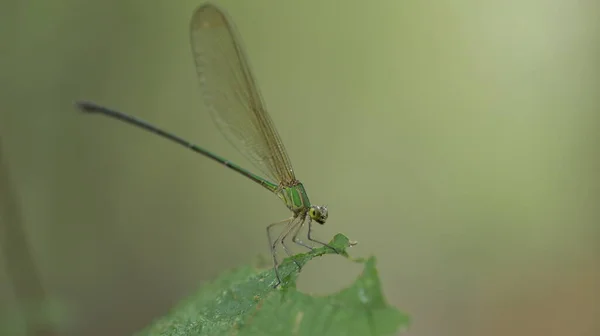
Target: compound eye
<point>318,214</point>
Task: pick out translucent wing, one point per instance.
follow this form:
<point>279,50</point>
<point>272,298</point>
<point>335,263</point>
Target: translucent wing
<point>231,95</point>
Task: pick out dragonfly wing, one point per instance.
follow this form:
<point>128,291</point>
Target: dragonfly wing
<point>232,96</point>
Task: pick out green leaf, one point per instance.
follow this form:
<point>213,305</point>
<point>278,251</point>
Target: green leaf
<point>243,302</point>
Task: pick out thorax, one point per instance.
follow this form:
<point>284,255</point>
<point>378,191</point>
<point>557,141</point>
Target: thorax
<point>295,198</point>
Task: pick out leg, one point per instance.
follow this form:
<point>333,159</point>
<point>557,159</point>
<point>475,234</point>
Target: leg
<point>295,236</point>
<point>273,245</point>
<point>293,223</point>
<point>316,241</point>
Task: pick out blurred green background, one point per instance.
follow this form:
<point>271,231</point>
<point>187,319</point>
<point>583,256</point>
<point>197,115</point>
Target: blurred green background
<point>455,140</point>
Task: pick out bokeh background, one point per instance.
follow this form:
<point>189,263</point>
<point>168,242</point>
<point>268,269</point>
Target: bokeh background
<point>455,140</point>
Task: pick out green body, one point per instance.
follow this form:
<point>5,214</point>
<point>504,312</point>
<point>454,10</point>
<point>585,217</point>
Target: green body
<point>294,196</point>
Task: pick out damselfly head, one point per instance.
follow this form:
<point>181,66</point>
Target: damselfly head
<point>318,213</point>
